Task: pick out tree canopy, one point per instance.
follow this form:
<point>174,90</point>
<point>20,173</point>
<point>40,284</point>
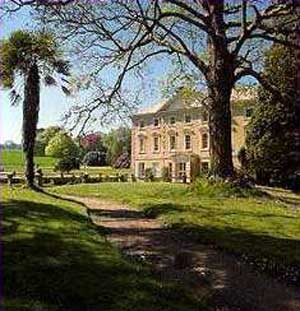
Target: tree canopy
<point>62,146</point>
<point>28,57</point>
<point>272,149</point>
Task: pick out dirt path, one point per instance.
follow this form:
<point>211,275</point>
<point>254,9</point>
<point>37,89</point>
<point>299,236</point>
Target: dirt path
<point>230,285</point>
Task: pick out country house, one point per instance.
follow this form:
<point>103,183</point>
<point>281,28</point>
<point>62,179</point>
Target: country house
<point>173,134</point>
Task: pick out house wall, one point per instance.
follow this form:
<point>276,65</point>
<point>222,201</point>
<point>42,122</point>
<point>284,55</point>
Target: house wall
<point>165,129</point>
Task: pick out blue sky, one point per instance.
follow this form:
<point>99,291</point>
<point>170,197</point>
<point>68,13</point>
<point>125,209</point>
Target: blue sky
<point>53,101</point>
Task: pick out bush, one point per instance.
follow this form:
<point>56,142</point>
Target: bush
<point>122,161</point>
<point>220,188</point>
<point>165,174</point>
<point>294,183</point>
<point>149,176</point>
<point>67,164</point>
<point>94,158</point>
<point>62,146</point>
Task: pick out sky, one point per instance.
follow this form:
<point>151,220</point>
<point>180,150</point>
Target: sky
<point>53,102</point>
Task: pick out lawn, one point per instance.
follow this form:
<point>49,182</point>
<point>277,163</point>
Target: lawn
<point>55,259</point>
<point>14,161</point>
<point>257,226</point>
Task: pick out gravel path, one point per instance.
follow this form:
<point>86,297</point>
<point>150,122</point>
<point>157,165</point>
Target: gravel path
<point>230,285</point>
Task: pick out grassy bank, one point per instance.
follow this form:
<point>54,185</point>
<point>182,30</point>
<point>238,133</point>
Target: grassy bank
<point>14,161</point>
<point>54,259</point>
<point>256,226</point>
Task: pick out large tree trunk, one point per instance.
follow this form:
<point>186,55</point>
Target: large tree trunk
<point>220,129</point>
<point>30,119</point>
<point>220,81</point>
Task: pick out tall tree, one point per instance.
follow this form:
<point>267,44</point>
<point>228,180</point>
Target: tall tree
<point>220,39</point>
<point>117,142</point>
<point>28,57</point>
<point>273,134</point>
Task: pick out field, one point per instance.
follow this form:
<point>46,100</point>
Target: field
<point>257,226</point>
<point>55,259</point>
<point>14,161</point>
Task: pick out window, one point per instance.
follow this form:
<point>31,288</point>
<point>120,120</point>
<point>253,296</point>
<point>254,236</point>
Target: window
<point>141,169</point>
<point>172,120</point>
<point>204,141</point>
<point>187,142</point>
<point>142,124</point>
<point>204,167</point>
<point>188,118</point>
<point>204,116</point>
<point>155,144</point>
<point>248,112</point>
<point>170,169</point>
<point>142,145</point>
<point>172,142</point>
<point>182,169</point>
<point>155,169</point>
<point>156,122</point>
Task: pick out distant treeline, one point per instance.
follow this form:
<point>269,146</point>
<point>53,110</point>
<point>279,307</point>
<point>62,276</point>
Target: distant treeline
<point>10,145</point>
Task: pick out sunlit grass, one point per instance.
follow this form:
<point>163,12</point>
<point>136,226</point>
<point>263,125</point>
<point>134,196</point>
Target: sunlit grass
<point>55,259</point>
<point>258,226</point>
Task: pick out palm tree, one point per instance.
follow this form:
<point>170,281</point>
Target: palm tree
<point>26,58</point>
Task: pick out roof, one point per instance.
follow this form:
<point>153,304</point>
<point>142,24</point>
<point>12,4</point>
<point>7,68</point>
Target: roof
<point>239,93</point>
<point>153,109</point>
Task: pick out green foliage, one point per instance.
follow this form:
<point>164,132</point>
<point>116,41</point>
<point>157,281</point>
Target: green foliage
<point>43,138</point>
<point>165,174</point>
<point>21,48</point>
<point>270,142</point>
<point>117,142</point>
<point>67,164</point>
<point>94,158</point>
<point>243,158</point>
<point>149,176</point>
<point>220,188</point>
<point>62,146</point>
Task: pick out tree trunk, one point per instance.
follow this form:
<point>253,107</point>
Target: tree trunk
<point>30,119</point>
<point>220,129</point>
<point>220,81</point>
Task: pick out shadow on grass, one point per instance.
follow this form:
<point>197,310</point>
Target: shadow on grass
<point>159,209</point>
<point>156,210</point>
<point>53,259</point>
<point>274,255</point>
<point>277,253</point>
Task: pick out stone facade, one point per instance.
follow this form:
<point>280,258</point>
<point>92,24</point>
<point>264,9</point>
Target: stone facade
<point>174,135</point>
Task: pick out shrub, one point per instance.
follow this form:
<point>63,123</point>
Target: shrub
<point>94,158</point>
<point>165,174</point>
<point>67,164</point>
<point>122,161</point>
<point>220,188</point>
<point>62,146</point>
<point>149,176</point>
<point>243,158</point>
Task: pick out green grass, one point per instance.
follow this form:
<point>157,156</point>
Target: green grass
<point>256,226</point>
<point>14,161</point>
<point>54,259</point>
